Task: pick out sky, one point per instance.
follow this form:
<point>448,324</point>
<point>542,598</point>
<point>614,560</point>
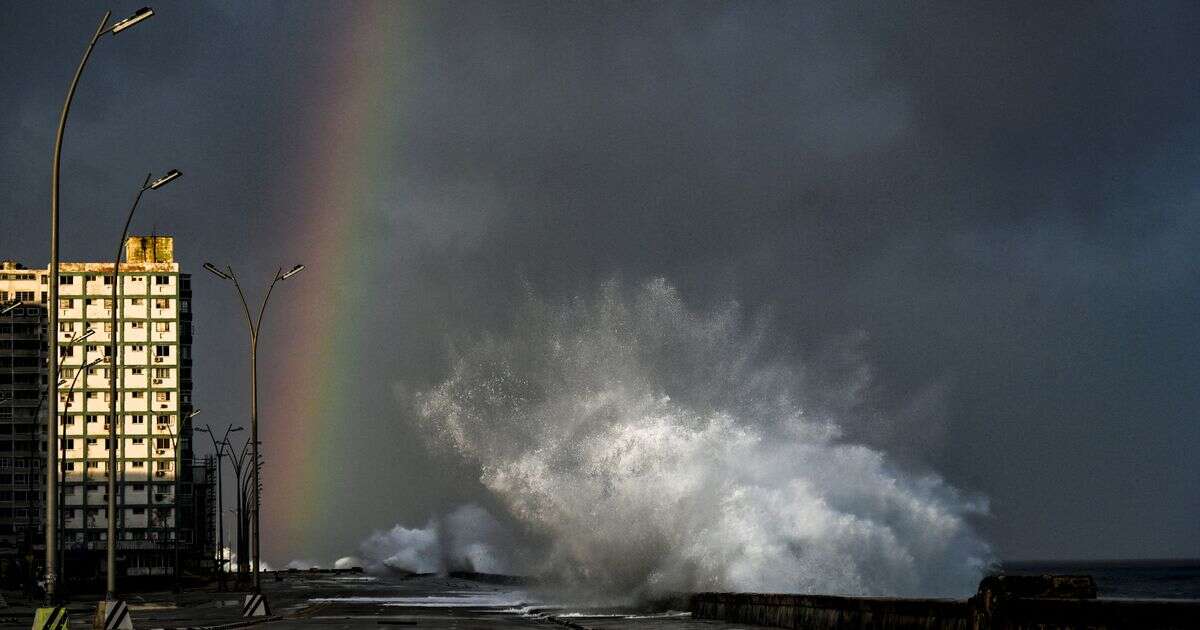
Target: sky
<point>987,214</point>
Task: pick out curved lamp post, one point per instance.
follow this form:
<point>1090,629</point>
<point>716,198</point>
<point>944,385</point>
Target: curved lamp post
<point>52,434</point>
<point>63,443</point>
<point>113,378</point>
<point>255,329</point>
<point>219,450</point>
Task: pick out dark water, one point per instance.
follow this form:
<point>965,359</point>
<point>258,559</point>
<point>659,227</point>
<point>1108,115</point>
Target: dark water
<point>1172,579</point>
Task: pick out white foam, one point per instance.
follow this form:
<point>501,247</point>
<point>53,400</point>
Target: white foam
<point>662,449</point>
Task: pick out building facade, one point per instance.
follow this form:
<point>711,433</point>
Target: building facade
<point>161,512</point>
<point>23,344</point>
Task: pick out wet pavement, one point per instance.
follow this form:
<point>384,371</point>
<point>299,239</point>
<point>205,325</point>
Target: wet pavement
<point>343,602</point>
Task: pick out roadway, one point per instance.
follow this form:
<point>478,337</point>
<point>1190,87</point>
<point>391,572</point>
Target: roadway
<point>355,602</point>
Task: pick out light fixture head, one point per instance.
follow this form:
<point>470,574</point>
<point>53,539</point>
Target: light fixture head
<point>93,362</point>
<point>194,413</point>
<point>143,13</point>
<point>295,270</point>
<point>235,429</point>
<point>7,308</point>
<point>171,175</point>
<point>87,333</point>
<point>211,268</point>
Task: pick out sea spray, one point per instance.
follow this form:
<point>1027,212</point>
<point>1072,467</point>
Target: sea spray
<point>662,449</point>
<point>466,539</point>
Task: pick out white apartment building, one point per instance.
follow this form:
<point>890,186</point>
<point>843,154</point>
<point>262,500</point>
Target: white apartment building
<point>157,507</point>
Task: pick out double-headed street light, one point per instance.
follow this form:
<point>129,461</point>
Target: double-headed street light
<point>255,328</point>
<point>114,377</point>
<point>52,435</point>
<point>218,449</point>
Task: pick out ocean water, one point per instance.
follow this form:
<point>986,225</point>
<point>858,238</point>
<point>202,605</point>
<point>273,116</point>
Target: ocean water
<point>1166,579</point>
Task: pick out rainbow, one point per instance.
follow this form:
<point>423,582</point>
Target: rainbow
<point>348,147</point>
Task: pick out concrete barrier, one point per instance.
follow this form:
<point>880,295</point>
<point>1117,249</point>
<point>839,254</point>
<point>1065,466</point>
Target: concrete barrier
<point>1046,602</point>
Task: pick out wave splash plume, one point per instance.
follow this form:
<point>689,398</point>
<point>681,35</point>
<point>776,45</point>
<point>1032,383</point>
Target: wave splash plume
<point>661,449</point>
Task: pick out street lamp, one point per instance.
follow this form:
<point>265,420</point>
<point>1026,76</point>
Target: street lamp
<point>115,376</point>
<point>175,446</point>
<point>255,329</point>
<point>52,435</point>
<point>139,15</point>
<point>8,308</point>
<point>218,449</point>
<point>63,443</point>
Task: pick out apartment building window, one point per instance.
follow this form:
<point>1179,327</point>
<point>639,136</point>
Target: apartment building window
<point>139,511</point>
<point>93,465</point>
<point>139,464</point>
<point>184,306</point>
<point>66,279</point>
<point>87,302</point>
<point>164,419</point>
<point>160,280</point>
<point>137,348</point>
<point>137,325</point>
<point>137,371</point>
<point>135,302</point>
<point>92,348</point>
<point>162,351</point>
<point>162,396</point>
<point>108,303</point>
<point>66,351</point>
<point>70,444</point>
<point>107,327</point>
<point>162,372</point>
<point>162,326</point>
<point>25,296</point>
<point>162,303</point>
<point>139,419</point>
<point>71,468</point>
<point>137,395</point>
<point>89,278</point>
<point>66,327</point>
<point>139,487</point>
<point>65,303</point>
<point>66,373</point>
<point>138,441</point>
<point>68,421</point>
<point>162,443</point>
<point>108,280</point>
<point>93,441</point>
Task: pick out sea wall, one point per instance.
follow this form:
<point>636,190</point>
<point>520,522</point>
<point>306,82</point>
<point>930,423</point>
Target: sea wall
<point>1003,602</point>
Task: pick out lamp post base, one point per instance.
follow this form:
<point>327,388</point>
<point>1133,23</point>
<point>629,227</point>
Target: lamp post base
<point>51,618</point>
<point>112,614</point>
<point>255,605</point>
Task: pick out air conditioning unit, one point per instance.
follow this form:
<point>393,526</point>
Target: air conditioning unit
<point>107,360</point>
<point>158,359</point>
<point>160,451</point>
<point>163,427</point>
<point>160,473</point>
<point>158,381</point>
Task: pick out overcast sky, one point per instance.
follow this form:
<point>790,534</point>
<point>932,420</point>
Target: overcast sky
<point>992,210</point>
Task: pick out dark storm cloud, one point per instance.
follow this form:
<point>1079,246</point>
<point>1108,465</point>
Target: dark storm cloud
<point>984,217</point>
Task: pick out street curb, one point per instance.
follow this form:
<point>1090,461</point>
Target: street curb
<point>225,626</point>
